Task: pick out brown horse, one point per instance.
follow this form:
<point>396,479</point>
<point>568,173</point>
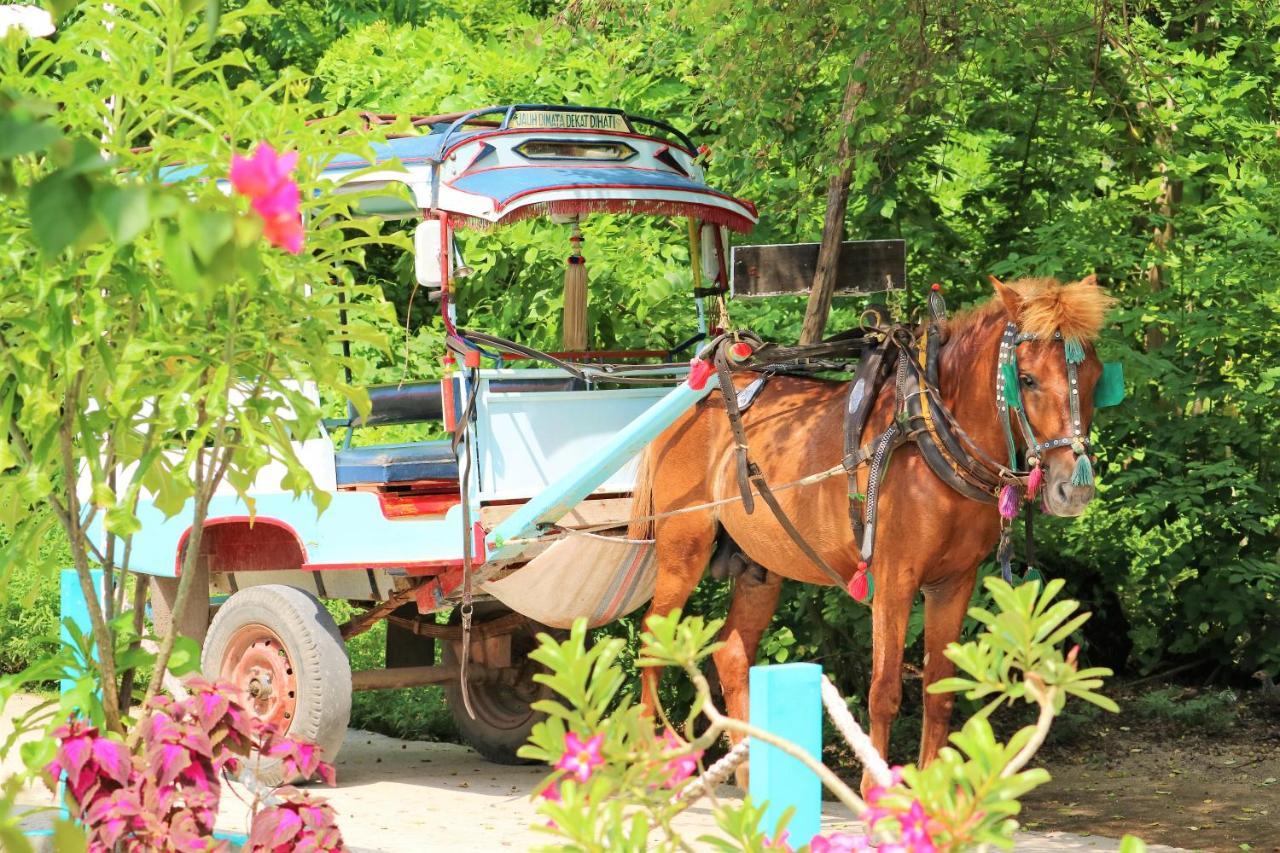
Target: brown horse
<point>930,537</point>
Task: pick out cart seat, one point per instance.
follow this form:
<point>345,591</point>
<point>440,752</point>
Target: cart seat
<point>386,464</point>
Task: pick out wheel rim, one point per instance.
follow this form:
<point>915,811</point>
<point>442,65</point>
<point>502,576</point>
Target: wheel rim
<point>506,707</point>
<point>257,663</point>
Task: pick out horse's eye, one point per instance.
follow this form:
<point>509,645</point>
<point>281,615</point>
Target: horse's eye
<point>1027,381</point>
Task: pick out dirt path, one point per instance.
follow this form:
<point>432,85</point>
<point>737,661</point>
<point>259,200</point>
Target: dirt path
<point>395,795</point>
<point>1210,794</point>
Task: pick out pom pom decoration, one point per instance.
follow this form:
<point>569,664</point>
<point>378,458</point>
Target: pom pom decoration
<point>1008,503</point>
<point>862,585</point>
<point>1074,350</point>
<point>1083,475</point>
<point>1034,481</point>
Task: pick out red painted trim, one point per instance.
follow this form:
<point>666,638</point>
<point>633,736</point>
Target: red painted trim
<point>253,521</point>
<point>543,131</point>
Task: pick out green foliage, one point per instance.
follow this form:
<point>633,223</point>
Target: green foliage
<point>1023,638</point>
<point>1051,139</point>
<point>1212,712</point>
<point>967,798</point>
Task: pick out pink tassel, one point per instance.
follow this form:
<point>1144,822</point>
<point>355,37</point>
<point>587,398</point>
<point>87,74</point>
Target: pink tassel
<point>1034,481</point>
<point>1008,502</point>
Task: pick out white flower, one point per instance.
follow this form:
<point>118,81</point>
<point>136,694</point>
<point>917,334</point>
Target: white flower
<point>36,21</point>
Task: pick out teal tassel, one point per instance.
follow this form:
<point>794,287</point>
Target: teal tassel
<point>1074,350</point>
<point>1083,475</point>
<point>1009,373</point>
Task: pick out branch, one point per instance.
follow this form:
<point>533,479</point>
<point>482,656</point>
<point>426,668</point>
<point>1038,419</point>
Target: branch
<point>1045,699</point>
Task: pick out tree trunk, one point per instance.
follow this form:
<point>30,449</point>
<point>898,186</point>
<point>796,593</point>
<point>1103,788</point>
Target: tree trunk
<point>824,276</point>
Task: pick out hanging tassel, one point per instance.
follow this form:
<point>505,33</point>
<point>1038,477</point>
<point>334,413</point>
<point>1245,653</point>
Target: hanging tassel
<point>1008,503</point>
<point>1032,575</point>
<point>1034,480</point>
<point>1004,556</point>
<point>1009,378</point>
<point>1083,475</point>
<point>1074,350</point>
<point>862,585</point>
<point>575,296</point>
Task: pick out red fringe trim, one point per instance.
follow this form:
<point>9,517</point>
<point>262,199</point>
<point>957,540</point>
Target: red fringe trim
<point>577,207</point>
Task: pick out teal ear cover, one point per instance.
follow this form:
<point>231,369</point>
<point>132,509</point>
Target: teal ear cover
<point>1110,388</point>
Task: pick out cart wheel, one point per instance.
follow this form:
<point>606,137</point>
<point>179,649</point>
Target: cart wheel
<point>282,649</point>
<point>504,718</point>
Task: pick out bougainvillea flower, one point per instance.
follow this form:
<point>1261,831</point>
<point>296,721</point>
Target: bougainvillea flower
<point>581,758</point>
<point>681,767</point>
<point>283,230</point>
<point>266,180</point>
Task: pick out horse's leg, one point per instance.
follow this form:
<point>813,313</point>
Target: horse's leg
<point>945,606</point>
<point>684,546</point>
<point>890,608</point>
<point>750,612</point>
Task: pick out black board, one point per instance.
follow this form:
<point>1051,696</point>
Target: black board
<point>866,266</point>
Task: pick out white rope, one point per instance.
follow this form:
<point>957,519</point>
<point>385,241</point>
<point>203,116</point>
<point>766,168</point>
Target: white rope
<point>713,776</point>
<point>854,735</point>
<point>845,724</point>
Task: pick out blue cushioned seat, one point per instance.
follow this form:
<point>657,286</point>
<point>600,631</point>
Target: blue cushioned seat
<point>396,463</point>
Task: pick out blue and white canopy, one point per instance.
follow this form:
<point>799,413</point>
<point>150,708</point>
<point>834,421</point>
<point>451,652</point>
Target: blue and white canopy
<point>505,163</point>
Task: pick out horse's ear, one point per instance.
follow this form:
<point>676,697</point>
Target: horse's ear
<point>1011,298</point>
<point>1091,280</point>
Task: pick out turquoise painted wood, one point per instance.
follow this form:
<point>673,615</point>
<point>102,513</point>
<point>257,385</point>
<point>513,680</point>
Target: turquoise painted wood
<point>786,700</point>
<point>73,606</point>
<point>567,491</point>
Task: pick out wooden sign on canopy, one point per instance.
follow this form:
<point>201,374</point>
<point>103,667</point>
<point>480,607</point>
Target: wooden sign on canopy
<point>866,266</point>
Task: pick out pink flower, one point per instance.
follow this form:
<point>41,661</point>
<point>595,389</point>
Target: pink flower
<point>265,180</point>
<point>682,766</point>
<point>918,829</point>
<point>839,842</point>
<point>581,758</point>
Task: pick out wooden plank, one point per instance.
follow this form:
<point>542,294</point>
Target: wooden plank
<point>865,266</point>
<point>589,513</point>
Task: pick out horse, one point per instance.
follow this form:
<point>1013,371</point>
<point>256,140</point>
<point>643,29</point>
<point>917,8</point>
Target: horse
<point>931,538</point>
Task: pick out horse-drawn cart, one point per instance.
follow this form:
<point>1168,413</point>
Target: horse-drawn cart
<point>418,529</point>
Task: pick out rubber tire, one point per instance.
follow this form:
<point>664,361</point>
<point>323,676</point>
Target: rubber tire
<point>496,743</point>
<point>316,652</point>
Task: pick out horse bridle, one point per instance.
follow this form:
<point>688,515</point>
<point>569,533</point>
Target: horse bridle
<point>1009,399</point>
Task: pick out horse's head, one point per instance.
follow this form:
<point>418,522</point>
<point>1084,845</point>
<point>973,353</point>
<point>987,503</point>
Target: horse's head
<point>1056,323</point>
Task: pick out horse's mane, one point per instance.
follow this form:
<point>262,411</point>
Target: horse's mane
<point>1077,309</point>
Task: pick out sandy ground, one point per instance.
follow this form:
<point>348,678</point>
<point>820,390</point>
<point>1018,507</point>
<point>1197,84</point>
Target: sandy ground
<point>395,795</point>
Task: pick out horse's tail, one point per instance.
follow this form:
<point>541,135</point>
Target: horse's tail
<point>641,526</point>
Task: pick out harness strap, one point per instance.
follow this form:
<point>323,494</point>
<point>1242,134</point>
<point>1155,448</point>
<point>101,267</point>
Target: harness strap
<point>749,474</point>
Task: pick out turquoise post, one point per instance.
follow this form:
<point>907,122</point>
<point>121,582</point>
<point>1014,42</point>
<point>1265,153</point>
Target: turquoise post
<point>75,608</point>
<point>786,701</point>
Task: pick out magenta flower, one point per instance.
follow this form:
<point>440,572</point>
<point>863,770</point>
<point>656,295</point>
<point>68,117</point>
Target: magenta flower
<point>266,180</point>
<point>682,766</point>
<point>839,842</point>
<point>581,758</point>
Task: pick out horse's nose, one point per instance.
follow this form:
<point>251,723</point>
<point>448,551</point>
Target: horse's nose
<point>1068,499</point>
